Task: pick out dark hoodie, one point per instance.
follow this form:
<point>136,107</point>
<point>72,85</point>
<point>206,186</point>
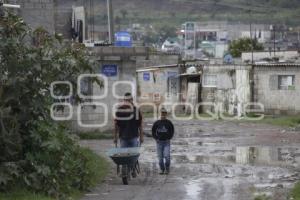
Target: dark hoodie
<point>163,130</point>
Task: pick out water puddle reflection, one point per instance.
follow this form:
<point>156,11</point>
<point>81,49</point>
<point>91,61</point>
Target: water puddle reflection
<point>281,156</point>
<point>268,155</point>
<point>193,190</point>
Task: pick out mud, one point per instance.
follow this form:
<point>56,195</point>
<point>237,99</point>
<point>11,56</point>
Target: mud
<point>213,160</point>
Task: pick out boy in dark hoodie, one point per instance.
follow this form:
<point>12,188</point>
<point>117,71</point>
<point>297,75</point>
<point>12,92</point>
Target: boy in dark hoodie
<point>162,132</point>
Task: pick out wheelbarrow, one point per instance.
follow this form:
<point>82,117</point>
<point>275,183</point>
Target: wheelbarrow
<point>127,159</point>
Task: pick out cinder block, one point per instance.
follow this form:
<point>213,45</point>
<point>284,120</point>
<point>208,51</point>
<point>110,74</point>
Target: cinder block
<point>112,58</point>
<point>107,50</point>
<point>141,50</point>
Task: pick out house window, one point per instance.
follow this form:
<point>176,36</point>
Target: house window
<point>286,82</point>
<point>172,85</point>
<point>209,80</point>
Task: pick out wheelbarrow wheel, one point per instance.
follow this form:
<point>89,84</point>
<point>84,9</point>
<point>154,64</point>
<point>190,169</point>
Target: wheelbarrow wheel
<point>125,180</point>
<point>125,174</point>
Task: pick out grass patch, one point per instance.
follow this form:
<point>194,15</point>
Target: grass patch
<point>262,197</point>
<point>96,135</point>
<point>23,195</point>
<point>285,121</point>
<point>98,166</point>
<point>296,192</point>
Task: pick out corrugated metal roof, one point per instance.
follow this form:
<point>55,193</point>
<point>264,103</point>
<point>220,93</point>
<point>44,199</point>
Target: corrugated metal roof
<point>153,68</point>
<point>186,74</point>
<point>278,65</point>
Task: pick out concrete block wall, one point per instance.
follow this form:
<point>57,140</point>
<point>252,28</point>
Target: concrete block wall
<point>277,101</point>
<point>53,15</point>
<point>155,90</point>
<point>38,13</point>
<point>94,114</point>
<point>286,55</point>
<point>232,89</point>
<point>156,60</point>
<point>125,59</point>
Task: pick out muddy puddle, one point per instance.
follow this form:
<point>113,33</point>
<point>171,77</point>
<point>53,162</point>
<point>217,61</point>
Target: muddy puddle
<point>218,161</point>
<point>273,156</point>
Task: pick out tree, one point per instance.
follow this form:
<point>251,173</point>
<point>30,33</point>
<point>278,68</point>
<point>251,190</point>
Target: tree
<point>150,38</point>
<point>172,14</point>
<point>36,152</point>
<point>124,13</point>
<point>236,47</point>
<point>118,22</point>
<point>167,31</point>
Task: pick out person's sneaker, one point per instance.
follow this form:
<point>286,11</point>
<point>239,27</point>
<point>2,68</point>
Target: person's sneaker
<point>167,171</point>
<point>161,172</point>
<point>134,174</point>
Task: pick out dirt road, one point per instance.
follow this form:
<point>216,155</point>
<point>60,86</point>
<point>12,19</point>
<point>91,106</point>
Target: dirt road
<point>211,160</point>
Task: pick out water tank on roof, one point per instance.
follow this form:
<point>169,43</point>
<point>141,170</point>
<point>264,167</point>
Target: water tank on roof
<point>123,39</point>
<point>228,59</point>
<point>191,70</point>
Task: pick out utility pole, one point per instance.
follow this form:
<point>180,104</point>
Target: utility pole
<point>250,24</point>
<point>298,39</point>
<point>110,22</point>
<point>273,27</point>
<point>252,48</point>
<point>274,40</point>
<point>195,41</point>
<point>92,18</point>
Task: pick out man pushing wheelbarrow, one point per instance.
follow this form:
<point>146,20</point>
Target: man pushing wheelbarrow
<point>129,129</point>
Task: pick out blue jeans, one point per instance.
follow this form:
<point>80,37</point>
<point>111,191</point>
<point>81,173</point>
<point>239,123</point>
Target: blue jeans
<point>163,154</point>
<point>134,142</point>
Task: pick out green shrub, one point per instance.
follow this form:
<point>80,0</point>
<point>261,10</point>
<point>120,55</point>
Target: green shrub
<point>238,46</point>
<point>23,195</point>
<point>296,192</point>
<point>37,152</point>
<point>55,165</point>
<point>96,167</point>
<point>262,197</point>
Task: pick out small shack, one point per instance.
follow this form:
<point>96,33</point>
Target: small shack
<point>157,85</point>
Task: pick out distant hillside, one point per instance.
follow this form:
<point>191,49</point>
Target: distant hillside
<point>160,12</point>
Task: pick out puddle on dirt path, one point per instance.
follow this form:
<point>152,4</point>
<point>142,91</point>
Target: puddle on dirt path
<point>192,190</point>
<point>268,155</point>
<point>272,156</point>
<point>203,159</point>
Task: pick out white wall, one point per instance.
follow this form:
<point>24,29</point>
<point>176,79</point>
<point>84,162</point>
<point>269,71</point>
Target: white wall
<point>262,37</point>
<point>286,55</point>
<point>220,50</point>
<point>276,100</point>
<point>156,85</point>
